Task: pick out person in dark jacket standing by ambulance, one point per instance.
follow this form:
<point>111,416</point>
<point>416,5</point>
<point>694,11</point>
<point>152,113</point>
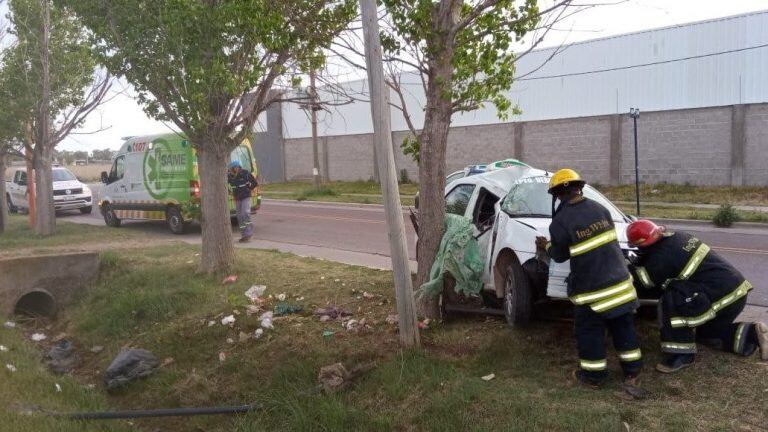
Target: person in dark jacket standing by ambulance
<point>702,295</point>
<point>599,284</point>
<point>242,182</point>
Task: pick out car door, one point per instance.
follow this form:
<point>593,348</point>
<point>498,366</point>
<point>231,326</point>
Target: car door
<point>117,188</point>
<point>483,217</point>
<point>19,193</point>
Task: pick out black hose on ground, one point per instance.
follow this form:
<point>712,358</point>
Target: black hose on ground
<point>166,412</point>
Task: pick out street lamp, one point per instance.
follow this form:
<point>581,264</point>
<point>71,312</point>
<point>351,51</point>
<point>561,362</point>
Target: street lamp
<point>635,114</point>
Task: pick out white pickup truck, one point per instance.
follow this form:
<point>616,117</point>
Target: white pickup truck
<point>69,193</point>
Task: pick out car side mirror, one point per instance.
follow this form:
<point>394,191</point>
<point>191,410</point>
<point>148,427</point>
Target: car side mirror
<point>104,177</point>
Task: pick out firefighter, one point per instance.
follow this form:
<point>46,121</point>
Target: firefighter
<point>702,295</point>
<point>242,182</point>
<point>599,284</point>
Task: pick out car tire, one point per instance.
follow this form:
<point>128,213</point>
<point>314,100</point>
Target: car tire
<point>11,208</point>
<point>86,210</point>
<point>518,297</point>
<point>175,220</point>
<point>110,218</point>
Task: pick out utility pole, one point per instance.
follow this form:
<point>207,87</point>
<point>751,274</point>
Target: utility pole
<point>313,107</point>
<point>382,138</point>
<point>635,114</point>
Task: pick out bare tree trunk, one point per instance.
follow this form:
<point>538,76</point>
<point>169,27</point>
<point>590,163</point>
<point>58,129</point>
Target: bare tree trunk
<point>3,195</point>
<point>45,215</point>
<point>218,250</point>
<point>432,147</point>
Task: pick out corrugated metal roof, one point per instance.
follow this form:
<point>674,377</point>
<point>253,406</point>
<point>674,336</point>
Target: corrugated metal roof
<point>709,63</point>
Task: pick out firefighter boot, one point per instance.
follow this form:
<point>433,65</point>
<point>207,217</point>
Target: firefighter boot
<point>671,363</point>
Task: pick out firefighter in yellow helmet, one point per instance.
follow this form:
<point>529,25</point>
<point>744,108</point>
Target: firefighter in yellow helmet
<point>599,285</point>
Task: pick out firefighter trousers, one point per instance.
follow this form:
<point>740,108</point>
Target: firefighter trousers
<point>720,332</point>
<point>590,328</point>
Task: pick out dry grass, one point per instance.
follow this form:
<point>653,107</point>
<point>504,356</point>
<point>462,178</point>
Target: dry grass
<point>89,173</point>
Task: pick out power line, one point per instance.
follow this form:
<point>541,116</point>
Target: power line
<point>644,64</point>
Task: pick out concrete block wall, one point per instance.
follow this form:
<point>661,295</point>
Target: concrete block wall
<point>756,147</point>
<point>691,146</point>
<point>713,146</point>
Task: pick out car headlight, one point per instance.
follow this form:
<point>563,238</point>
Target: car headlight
<point>86,189</point>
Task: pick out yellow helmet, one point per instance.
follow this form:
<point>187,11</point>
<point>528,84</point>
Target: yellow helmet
<point>564,177</point>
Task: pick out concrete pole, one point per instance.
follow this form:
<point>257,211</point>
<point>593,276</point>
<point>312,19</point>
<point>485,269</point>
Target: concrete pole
<point>382,138</point>
<point>313,112</point>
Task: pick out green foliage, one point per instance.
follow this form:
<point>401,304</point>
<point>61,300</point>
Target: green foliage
<point>193,62</point>
<point>725,217</point>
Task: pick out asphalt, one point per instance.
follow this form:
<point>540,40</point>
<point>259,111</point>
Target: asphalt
<point>357,234</point>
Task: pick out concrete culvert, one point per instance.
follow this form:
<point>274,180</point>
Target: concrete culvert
<point>36,303</point>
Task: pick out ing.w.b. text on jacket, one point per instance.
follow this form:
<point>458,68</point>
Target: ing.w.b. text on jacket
<point>583,231</point>
<point>242,184</point>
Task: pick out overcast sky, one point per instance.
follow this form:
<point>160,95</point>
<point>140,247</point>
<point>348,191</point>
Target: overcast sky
<point>123,117</point>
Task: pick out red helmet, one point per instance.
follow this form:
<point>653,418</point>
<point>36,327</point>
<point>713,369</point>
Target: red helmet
<point>643,233</point>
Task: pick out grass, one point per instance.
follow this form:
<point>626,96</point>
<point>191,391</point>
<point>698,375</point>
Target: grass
<point>663,212</point>
<point>359,192</point>
<point>153,299</point>
<point>686,193</point>
<point>19,238</point>
<point>89,173</point>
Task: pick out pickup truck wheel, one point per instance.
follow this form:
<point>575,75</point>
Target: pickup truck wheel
<point>518,302</point>
<point>110,218</point>
<point>11,208</point>
<point>175,221</point>
<point>86,210</point>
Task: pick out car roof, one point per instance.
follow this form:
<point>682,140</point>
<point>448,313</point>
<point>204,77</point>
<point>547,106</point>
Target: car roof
<point>56,167</point>
<point>500,181</point>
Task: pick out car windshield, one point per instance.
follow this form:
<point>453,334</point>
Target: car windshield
<point>529,198</point>
<point>61,174</point>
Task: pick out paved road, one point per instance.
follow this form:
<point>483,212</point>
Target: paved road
<point>357,234</point>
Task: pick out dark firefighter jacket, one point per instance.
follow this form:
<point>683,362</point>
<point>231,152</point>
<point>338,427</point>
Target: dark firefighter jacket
<point>696,281</point>
<point>242,184</point>
<point>583,231</point>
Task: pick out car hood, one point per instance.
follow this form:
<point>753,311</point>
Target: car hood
<point>70,184</point>
<point>542,226</point>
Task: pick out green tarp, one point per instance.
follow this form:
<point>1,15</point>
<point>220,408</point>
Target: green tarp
<point>459,256</point>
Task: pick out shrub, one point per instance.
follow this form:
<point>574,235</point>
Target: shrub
<point>725,217</point>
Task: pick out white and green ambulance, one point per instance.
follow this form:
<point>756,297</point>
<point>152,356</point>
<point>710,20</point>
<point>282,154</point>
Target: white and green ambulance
<point>156,178</point>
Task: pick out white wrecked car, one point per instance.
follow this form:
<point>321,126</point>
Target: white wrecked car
<point>509,208</point>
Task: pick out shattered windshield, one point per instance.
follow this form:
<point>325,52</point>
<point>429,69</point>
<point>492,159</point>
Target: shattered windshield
<point>62,174</point>
<point>529,198</point>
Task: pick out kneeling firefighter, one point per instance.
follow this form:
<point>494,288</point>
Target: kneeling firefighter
<point>599,284</point>
<point>702,295</point>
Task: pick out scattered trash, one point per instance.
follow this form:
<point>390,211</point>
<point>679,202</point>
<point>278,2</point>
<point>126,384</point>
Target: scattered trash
<point>167,361</point>
<point>62,357</point>
<point>229,279</point>
<point>392,319</point>
<point>266,320</point>
<point>230,341</point>
<point>97,349</point>
<point>222,356</point>
<point>252,310</point>
<point>37,337</point>
<point>328,333</point>
<point>58,387</point>
<point>10,367</point>
<point>9,324</point>
<point>325,318</point>
<point>236,312</point>
<point>3,348</point>
<point>258,333</point>
<point>337,280</point>
<point>300,299</point>
<point>128,366</point>
<point>423,324</point>
<point>626,426</point>
<point>332,312</point>
<point>322,277</point>
<point>334,377</point>
<point>227,320</point>
<point>287,309</point>
<point>254,292</point>
<point>211,323</point>
<point>352,324</point>
<point>368,295</point>
<point>59,337</point>
<point>281,297</point>
<point>243,337</point>
<point>488,377</point>
<point>190,262</point>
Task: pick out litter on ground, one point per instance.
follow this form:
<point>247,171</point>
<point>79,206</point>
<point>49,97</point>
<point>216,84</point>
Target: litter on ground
<point>392,319</point>
<point>229,279</point>
<point>281,297</point>
<point>37,337</point>
<point>97,349</point>
<point>3,348</point>
<point>254,292</point>
<point>328,333</point>
<point>488,377</point>
<point>62,357</point>
<point>128,366</point>
<point>332,312</point>
<point>9,324</point>
<point>287,309</point>
<point>252,310</point>
<point>266,320</point>
<point>58,387</point>
<point>258,333</point>
<point>333,377</point>
<point>10,367</point>
<point>368,295</point>
<point>227,320</point>
<point>222,356</point>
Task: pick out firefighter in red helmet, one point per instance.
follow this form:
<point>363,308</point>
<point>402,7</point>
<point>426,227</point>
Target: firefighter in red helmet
<point>702,295</point>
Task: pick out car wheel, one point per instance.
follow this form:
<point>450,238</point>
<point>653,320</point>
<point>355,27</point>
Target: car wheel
<point>175,221</point>
<point>11,208</point>
<point>86,210</point>
<point>110,218</point>
<point>518,298</point>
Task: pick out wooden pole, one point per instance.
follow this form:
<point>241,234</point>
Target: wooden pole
<point>313,113</point>
<point>382,138</point>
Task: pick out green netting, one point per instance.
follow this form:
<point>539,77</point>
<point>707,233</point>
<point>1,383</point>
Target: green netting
<point>459,256</point>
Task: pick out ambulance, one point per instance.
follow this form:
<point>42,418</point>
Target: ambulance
<point>156,178</point>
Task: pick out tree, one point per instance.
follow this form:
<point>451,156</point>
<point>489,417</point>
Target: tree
<point>53,86</point>
<point>103,154</point>
<point>463,53</point>
<point>208,66</point>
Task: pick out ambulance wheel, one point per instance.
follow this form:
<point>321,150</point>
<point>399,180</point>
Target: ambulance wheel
<point>175,221</point>
<point>110,218</point>
<point>86,210</point>
<point>518,299</point>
